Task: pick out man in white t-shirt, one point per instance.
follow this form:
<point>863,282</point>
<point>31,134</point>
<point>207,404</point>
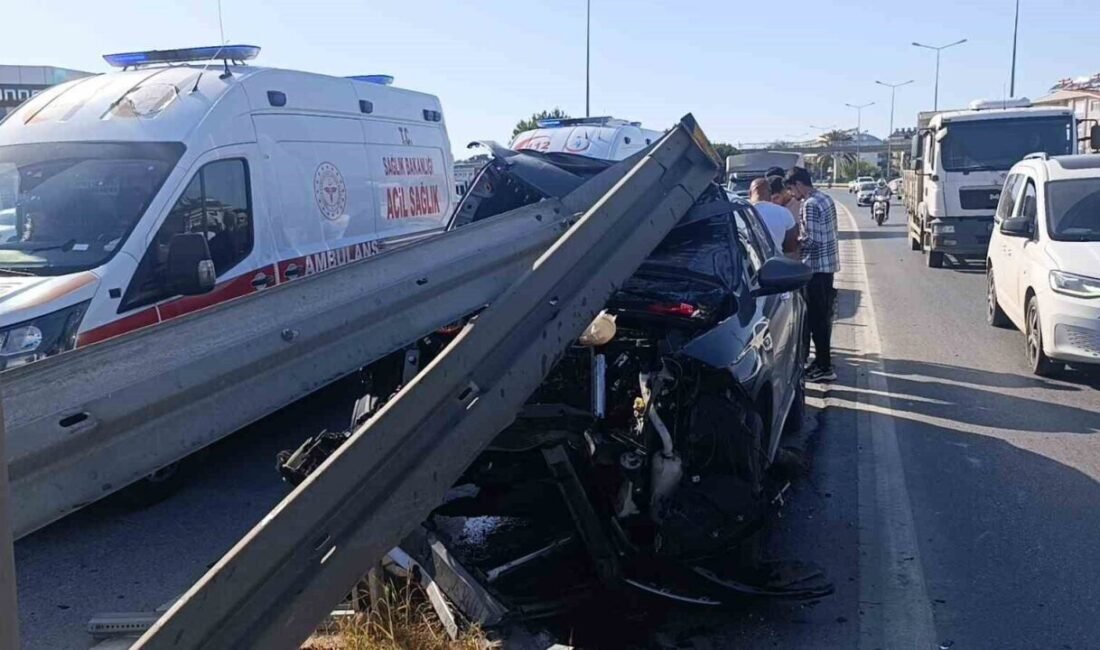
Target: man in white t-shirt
<point>780,223</point>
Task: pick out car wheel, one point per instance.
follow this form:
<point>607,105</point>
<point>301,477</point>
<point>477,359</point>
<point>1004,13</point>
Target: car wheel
<point>935,260</point>
<point>995,316</point>
<point>1037,360</point>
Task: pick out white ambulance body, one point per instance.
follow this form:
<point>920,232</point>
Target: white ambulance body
<point>283,173</point>
<point>605,138</point>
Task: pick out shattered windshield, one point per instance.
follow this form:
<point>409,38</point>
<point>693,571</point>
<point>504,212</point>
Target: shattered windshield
<point>67,207</point>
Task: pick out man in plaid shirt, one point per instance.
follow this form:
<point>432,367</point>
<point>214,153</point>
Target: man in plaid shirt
<point>820,252</point>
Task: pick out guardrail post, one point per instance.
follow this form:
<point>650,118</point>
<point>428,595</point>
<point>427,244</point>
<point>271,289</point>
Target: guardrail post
<point>9,609</point>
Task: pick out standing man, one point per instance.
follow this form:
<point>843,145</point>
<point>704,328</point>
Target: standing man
<point>780,224</point>
<point>821,253</point>
<point>787,200</point>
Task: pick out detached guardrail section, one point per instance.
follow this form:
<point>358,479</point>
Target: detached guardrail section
<point>88,422</point>
<point>274,587</point>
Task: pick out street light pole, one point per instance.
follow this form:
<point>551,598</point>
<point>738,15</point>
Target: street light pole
<point>1015,33</point>
<point>937,50</point>
<point>859,129</point>
<point>587,58</point>
<point>893,88</point>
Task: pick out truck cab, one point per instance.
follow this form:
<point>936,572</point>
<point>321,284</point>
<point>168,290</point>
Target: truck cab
<point>959,162</point>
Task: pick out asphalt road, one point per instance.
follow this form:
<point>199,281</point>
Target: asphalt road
<point>1001,467</point>
<point>951,496</point>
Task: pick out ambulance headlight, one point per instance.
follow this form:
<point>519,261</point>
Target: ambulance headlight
<point>41,337</point>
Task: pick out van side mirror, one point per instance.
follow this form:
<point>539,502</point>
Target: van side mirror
<point>1094,137</point>
<point>1017,227</point>
<point>780,275</point>
<point>190,270</point>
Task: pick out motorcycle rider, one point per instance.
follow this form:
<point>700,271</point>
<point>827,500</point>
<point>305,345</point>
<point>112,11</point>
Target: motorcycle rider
<point>882,193</point>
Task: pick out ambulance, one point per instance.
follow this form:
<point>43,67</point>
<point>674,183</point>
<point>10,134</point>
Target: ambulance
<point>189,178</point>
<point>605,138</point>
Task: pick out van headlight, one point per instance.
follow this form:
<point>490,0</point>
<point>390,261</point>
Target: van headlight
<point>41,337</point>
<point>1071,284</point>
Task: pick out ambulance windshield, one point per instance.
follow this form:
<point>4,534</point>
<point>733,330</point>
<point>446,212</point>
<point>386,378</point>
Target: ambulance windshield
<point>69,206</point>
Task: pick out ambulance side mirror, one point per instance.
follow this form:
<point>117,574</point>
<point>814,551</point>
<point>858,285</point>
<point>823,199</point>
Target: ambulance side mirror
<point>190,271</point>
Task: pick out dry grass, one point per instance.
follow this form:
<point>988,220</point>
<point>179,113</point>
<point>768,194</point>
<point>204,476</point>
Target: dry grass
<point>403,620</point>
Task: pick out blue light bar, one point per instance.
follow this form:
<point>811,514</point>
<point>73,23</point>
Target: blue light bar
<point>574,121</point>
<point>380,79</point>
<point>185,55</point>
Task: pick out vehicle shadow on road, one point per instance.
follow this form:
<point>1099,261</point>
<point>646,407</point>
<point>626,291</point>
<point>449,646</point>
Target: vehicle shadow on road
<point>995,522</point>
<point>930,392</point>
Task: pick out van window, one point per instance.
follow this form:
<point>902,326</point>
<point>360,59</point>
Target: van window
<point>1008,197</point>
<point>218,202</point>
<point>1029,203</point>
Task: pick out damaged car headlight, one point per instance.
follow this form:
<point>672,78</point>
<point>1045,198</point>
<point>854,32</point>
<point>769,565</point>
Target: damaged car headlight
<point>40,337</point>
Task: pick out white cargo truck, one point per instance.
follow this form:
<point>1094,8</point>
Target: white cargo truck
<point>958,163</point>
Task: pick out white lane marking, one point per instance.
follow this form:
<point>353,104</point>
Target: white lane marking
<point>896,610</point>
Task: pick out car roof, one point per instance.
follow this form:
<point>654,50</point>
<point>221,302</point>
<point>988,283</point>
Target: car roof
<point>1055,168</point>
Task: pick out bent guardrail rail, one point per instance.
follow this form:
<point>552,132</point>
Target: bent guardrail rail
<point>284,576</point>
<point>86,423</point>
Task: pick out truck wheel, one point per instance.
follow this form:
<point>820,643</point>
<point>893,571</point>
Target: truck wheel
<point>995,316</point>
<point>935,260</point>
<point>914,243</point>
<point>1037,360</point>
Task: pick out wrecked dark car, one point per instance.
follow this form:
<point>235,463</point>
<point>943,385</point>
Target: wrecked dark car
<point>643,459</point>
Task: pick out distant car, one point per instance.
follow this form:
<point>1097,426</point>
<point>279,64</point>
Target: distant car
<point>864,193</point>
<point>854,186</point>
<point>1043,263</point>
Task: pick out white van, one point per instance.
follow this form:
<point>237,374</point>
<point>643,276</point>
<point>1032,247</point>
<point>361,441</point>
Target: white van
<point>130,198</point>
<point>605,138</point>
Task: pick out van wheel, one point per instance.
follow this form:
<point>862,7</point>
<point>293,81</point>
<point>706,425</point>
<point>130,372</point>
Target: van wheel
<point>935,260</point>
<point>1037,360</point>
<point>995,316</point>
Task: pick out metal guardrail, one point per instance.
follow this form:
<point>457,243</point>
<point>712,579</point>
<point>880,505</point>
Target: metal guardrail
<point>88,422</point>
<point>274,587</point>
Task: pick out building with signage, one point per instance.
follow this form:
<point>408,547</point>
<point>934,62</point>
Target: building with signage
<point>18,83</point>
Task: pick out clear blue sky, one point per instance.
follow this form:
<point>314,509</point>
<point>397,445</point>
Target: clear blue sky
<point>750,71</point>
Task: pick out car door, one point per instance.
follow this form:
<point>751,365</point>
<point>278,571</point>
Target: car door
<point>999,255</point>
<point>774,332</point>
<point>1027,206</point>
<point>1031,257</point>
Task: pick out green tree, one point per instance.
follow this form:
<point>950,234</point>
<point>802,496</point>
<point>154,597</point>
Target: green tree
<point>725,149</point>
<point>532,123</point>
<point>830,158</point>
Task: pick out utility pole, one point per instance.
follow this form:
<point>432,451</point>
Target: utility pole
<point>937,50</point>
<point>893,88</point>
<point>1015,33</point>
<point>859,129</point>
<point>587,58</point>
